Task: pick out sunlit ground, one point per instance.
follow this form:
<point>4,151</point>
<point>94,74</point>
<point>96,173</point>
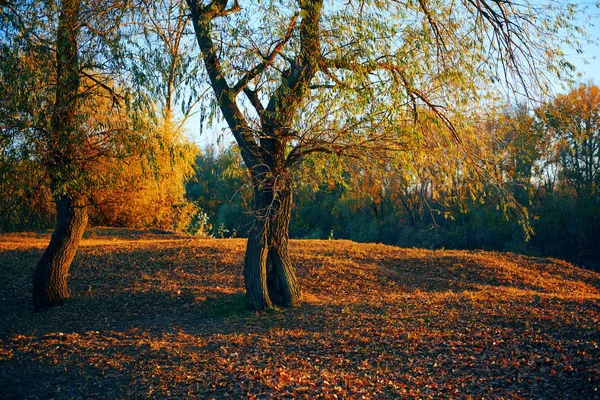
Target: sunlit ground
<point>162,316</point>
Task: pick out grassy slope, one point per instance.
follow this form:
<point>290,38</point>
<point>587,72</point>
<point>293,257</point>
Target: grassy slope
<point>160,316</point>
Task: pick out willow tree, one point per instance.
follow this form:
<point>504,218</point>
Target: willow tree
<point>160,61</point>
<point>164,63</point>
<point>363,79</point>
<point>65,107</point>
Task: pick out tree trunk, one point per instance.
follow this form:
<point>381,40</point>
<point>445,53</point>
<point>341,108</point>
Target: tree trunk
<point>50,276</point>
<point>268,272</point>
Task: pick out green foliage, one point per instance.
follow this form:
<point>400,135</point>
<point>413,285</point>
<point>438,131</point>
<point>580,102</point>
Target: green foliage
<point>164,65</point>
<point>65,141</point>
<point>391,137</point>
<point>425,206</point>
<point>221,187</point>
<point>396,86</point>
<point>129,163</point>
<point>25,202</point>
<point>196,223</point>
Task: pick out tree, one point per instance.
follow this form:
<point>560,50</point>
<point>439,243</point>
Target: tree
<point>573,121</point>
<point>146,187</point>
<point>23,204</point>
<point>222,188</point>
<point>164,62</point>
<point>572,125</point>
<point>65,109</point>
<point>364,79</point>
<point>519,148</point>
<point>50,276</point>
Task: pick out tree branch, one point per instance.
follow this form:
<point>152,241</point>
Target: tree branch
<point>202,17</point>
<point>255,101</point>
<point>439,39</point>
<point>258,69</point>
<point>114,95</point>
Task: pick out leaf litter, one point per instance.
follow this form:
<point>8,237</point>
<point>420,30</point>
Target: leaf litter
<point>161,316</point>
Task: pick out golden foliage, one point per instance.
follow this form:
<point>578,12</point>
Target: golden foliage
<point>149,190</point>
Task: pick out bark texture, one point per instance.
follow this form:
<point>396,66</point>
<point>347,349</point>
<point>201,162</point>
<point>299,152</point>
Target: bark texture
<point>50,277</point>
<point>268,272</point>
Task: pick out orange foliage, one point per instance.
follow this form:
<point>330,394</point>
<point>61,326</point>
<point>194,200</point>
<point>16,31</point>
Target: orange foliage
<point>150,193</point>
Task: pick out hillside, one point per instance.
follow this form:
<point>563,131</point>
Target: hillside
<point>158,316</point>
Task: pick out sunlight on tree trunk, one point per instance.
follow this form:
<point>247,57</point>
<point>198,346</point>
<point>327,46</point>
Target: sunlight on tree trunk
<point>381,83</point>
<point>78,112</point>
<point>268,272</point>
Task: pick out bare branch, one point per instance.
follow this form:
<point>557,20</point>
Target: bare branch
<point>255,101</point>
<point>113,94</point>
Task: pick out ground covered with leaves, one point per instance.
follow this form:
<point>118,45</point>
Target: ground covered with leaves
<point>154,315</point>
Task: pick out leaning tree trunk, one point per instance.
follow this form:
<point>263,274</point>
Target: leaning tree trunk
<point>268,272</point>
<point>50,276</point>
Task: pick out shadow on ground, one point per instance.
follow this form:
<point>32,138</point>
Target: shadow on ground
<point>159,320</point>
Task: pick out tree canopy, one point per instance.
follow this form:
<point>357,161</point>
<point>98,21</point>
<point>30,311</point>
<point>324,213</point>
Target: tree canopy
<point>70,113</point>
<point>377,81</point>
<point>311,90</point>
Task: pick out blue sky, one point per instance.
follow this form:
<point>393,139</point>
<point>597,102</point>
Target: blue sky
<point>591,70</point>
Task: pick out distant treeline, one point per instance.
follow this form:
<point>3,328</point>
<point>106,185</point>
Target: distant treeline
<point>548,161</point>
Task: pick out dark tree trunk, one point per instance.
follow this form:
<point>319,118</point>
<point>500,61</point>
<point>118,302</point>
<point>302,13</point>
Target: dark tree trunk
<point>268,272</point>
<point>50,276</point>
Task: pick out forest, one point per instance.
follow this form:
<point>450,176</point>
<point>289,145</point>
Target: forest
<point>397,199</point>
<point>418,124</point>
<point>547,159</point>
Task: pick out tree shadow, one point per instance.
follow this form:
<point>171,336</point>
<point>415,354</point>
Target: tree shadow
<point>135,310</point>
